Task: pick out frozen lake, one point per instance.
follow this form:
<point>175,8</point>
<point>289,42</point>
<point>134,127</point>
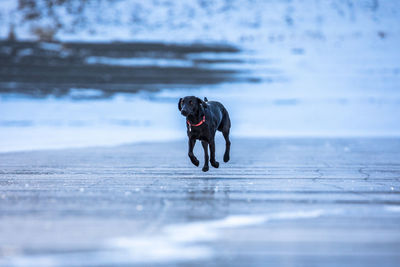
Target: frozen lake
<point>295,202</point>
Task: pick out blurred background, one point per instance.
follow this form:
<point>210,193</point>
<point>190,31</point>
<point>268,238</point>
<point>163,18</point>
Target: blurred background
<point>83,73</point>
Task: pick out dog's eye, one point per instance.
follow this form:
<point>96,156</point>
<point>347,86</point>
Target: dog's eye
<point>190,102</point>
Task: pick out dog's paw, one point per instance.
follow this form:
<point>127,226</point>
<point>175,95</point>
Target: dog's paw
<point>226,157</point>
<point>195,162</point>
<point>205,168</point>
<point>215,164</point>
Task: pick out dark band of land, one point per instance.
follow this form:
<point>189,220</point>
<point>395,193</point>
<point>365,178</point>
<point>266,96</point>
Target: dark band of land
<point>41,69</point>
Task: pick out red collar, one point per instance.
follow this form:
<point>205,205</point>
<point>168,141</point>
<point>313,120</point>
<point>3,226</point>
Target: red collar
<point>198,124</point>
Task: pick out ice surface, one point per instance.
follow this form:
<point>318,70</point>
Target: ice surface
<point>173,243</point>
<point>311,200</point>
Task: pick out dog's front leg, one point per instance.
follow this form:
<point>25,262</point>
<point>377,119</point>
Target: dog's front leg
<point>205,147</point>
<point>214,163</point>
<point>192,157</point>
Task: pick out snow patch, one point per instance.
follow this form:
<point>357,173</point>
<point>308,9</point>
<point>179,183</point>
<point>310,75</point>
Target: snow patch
<point>392,208</point>
<point>55,123</point>
<point>80,93</point>
<point>193,20</point>
<point>50,46</point>
<point>144,62</point>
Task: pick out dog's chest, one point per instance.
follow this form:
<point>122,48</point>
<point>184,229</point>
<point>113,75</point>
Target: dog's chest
<point>200,133</point>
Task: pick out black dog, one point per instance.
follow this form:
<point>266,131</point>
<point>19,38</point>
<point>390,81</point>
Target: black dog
<point>203,119</point>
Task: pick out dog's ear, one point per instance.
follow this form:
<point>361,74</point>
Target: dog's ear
<point>180,104</point>
<point>202,103</point>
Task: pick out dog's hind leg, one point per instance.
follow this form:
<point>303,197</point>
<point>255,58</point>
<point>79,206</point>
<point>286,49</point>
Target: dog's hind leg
<point>192,157</point>
<point>205,147</point>
<point>214,163</point>
<point>225,128</point>
<point>227,146</point>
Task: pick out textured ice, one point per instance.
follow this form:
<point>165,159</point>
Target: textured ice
<point>174,243</point>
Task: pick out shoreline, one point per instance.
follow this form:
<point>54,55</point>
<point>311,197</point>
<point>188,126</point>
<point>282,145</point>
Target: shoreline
<point>219,140</point>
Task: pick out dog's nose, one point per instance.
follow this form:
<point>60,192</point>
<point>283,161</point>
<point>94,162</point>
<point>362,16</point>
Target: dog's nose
<point>184,112</point>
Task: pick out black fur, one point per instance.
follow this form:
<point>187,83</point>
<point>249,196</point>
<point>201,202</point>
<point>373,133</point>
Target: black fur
<point>216,118</point>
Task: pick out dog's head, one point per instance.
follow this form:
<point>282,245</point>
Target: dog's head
<point>191,105</point>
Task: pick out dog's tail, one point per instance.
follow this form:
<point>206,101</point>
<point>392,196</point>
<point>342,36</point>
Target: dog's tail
<point>205,99</point>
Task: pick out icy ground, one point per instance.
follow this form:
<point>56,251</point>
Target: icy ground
<point>285,202</point>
